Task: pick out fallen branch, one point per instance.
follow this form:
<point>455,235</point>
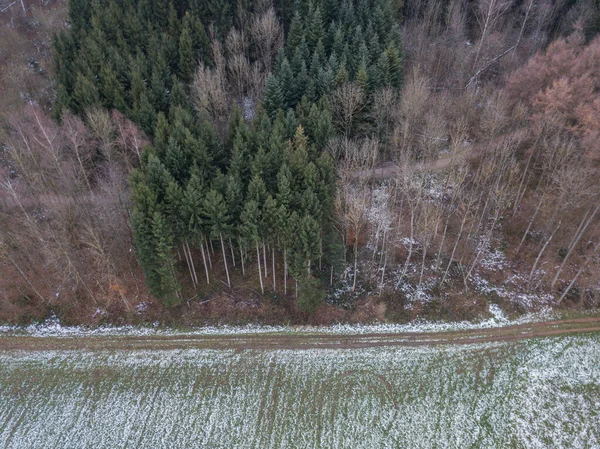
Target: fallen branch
<point>489,63</point>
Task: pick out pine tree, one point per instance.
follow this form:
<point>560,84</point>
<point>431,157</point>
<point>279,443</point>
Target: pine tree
<point>173,22</point>
<point>295,33</point>
<point>191,210</point>
<point>270,222</point>
<point>273,98</point>
<point>396,70</point>
<point>314,27</point>
<point>217,218</point>
<point>362,76</point>
<point>257,191</point>
<point>178,95</point>
<point>287,84</point>
<point>112,90</point>
<point>165,285</point>
<point>144,114</point>
<point>341,76</point>
<point>249,223</point>
<point>85,93</point>
<point>159,83</point>
<point>187,60</point>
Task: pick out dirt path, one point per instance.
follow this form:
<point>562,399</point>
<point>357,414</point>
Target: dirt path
<point>242,342</point>
<point>390,169</point>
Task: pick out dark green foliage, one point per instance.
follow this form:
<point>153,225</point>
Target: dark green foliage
<point>274,98</point>
<point>331,43</point>
<point>262,181</point>
<point>117,51</point>
<point>164,284</point>
<point>187,61</point>
<point>310,294</point>
<point>153,240</point>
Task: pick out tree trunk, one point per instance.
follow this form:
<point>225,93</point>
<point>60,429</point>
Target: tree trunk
<point>262,288</point>
<point>537,209</point>
<point>265,260</point>
<point>578,236</point>
<point>204,260</point>
<point>382,275</point>
<point>462,225</point>
<point>410,246</point>
<point>539,256</point>
<point>242,259</point>
<point>423,263</point>
<point>14,264</point>
<point>522,27</point>
<point>225,260</point>
<point>519,194</point>
<point>208,252</point>
<point>583,267</point>
<point>439,254</point>
<point>232,252</point>
<point>189,264</point>
<point>274,281</point>
<point>284,271</point>
<point>192,261</point>
<point>355,262</point>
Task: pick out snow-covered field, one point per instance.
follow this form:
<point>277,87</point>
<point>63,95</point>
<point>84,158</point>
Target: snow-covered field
<point>525,394</point>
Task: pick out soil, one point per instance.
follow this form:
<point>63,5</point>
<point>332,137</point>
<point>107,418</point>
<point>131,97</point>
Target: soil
<point>303,341</point>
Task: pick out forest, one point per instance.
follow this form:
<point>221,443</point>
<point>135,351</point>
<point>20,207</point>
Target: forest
<point>316,161</point>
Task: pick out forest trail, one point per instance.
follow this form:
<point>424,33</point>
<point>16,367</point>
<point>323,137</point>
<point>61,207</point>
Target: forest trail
<point>390,169</point>
<point>282,341</point>
<point>471,153</point>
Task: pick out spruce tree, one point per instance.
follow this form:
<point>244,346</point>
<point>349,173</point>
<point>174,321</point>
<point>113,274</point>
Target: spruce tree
<point>165,285</point>
<point>273,97</point>
<point>144,113</point>
<point>187,60</point>
<point>217,219</point>
<point>295,33</point>
<point>287,84</point>
<point>249,230</point>
<point>85,93</point>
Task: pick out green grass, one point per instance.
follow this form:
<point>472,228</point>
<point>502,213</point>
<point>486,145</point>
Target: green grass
<point>526,394</point>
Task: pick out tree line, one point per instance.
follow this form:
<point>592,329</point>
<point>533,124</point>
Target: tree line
<point>226,169</point>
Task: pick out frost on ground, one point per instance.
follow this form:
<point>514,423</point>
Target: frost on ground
<point>53,328</point>
<point>534,393</point>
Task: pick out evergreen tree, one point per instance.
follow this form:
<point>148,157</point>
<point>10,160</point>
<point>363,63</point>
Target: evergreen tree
<point>165,285</point>
<point>249,223</point>
<point>187,61</point>
<point>314,28</point>
<point>273,97</point>
<point>144,113</point>
<point>295,33</point>
<point>287,84</point>
<point>85,93</point>
<point>217,218</point>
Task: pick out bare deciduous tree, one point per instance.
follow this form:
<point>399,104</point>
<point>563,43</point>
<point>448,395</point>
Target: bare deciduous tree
<point>267,34</point>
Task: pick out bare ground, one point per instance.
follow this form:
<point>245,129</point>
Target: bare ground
<point>243,342</point>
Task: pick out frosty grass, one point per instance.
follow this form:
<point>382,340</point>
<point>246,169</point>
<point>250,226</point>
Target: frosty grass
<point>541,393</point>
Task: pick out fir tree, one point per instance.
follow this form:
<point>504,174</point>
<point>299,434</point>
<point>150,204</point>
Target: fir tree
<point>85,93</point>
<point>273,97</point>
<point>165,285</point>
<point>217,219</point>
<point>187,61</point>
